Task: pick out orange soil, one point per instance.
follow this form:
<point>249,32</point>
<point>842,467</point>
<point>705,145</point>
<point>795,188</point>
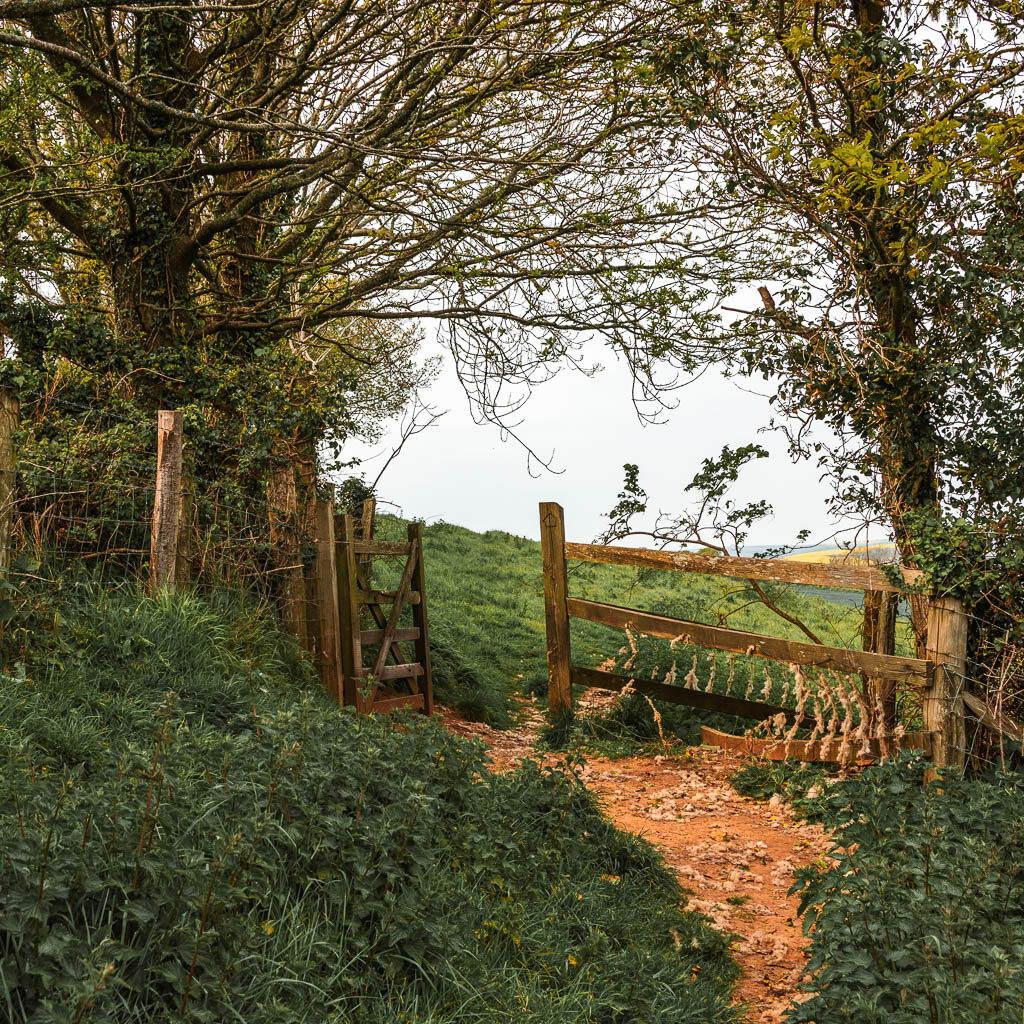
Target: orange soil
<point>735,856</point>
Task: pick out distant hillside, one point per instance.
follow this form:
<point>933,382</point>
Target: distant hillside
<point>871,554</point>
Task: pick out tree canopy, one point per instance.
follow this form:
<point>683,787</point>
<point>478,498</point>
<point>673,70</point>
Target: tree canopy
<point>211,191</point>
<point>863,161</point>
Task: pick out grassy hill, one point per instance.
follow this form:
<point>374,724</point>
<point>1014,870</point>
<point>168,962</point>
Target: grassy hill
<point>191,830</point>
<point>486,603</point>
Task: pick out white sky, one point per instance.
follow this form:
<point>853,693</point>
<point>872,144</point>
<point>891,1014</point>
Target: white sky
<point>465,474</point>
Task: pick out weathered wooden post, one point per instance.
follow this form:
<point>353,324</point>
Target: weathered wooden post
<point>943,703</point>
<point>414,531</point>
<point>287,543</point>
<point>9,416</point>
<point>556,614</point>
<point>163,547</point>
<point>348,601</point>
<point>880,608</point>
<point>327,603</point>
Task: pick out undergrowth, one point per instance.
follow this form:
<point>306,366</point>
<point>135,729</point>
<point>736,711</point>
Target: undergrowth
<point>799,783</point>
<point>189,831</point>
<point>922,917</point>
<point>628,727</point>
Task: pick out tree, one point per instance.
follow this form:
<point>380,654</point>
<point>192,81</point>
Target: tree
<point>861,164</point>
<point>228,176</point>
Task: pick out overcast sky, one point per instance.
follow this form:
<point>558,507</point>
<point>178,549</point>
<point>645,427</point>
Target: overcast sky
<point>466,474</point>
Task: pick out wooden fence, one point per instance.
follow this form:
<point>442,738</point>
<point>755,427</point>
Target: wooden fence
<point>325,606</point>
<point>342,593</point>
<point>938,675</point>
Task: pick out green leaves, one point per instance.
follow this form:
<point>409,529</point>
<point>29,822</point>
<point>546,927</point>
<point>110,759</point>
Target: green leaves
<point>245,849</point>
<point>922,917</point>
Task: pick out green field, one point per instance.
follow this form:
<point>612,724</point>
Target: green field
<point>486,600</point>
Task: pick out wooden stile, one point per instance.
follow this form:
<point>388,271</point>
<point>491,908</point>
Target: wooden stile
<point>381,547</point>
<point>556,612</point>
<point>374,636</point>
<point>396,610</point>
<point>366,596</point>
<point>166,532</point>
<point>362,685</point>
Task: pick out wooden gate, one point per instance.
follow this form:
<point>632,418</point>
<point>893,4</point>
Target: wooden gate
<point>367,652</point>
<point>939,675</point>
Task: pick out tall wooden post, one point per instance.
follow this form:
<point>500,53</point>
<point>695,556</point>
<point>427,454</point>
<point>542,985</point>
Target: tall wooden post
<point>348,603</point>
<point>880,608</point>
<point>9,416</point>
<point>287,543</point>
<point>414,531</point>
<point>163,548</point>
<point>366,524</point>
<point>556,614</point>
<point>327,603</point>
<point>943,703</point>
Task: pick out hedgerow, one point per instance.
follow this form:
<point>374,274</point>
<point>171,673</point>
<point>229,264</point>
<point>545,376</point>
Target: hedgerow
<point>190,831</point>
<point>922,917</point>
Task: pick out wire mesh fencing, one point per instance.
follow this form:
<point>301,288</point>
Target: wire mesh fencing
<point>79,487</point>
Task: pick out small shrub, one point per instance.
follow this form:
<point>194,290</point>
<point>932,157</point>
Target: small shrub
<point>800,784</point>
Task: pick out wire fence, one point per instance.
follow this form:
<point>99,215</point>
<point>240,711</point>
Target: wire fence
<point>79,494</point>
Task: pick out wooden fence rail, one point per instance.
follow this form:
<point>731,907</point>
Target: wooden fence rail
<point>939,674</point>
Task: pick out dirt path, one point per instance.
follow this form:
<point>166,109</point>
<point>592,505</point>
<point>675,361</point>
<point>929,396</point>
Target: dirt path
<point>734,855</point>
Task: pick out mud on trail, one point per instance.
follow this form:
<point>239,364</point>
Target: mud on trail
<point>734,856</point>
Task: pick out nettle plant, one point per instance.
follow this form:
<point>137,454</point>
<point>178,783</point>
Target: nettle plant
<point>921,918</point>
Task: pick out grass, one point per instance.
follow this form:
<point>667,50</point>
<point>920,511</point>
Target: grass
<point>190,830</point>
<point>486,602</point>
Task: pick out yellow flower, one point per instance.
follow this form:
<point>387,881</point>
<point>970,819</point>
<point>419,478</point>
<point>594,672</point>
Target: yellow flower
<point>572,960</point>
<point>268,927</point>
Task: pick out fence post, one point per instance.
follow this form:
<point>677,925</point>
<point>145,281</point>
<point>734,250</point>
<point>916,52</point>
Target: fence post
<point>163,549</point>
<point>366,525</point>
<point>348,616</point>
<point>556,614</point>
<point>880,608</point>
<point>287,543</point>
<point>943,703</point>
<point>414,531</point>
<point>9,415</point>
<point>327,584</point>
